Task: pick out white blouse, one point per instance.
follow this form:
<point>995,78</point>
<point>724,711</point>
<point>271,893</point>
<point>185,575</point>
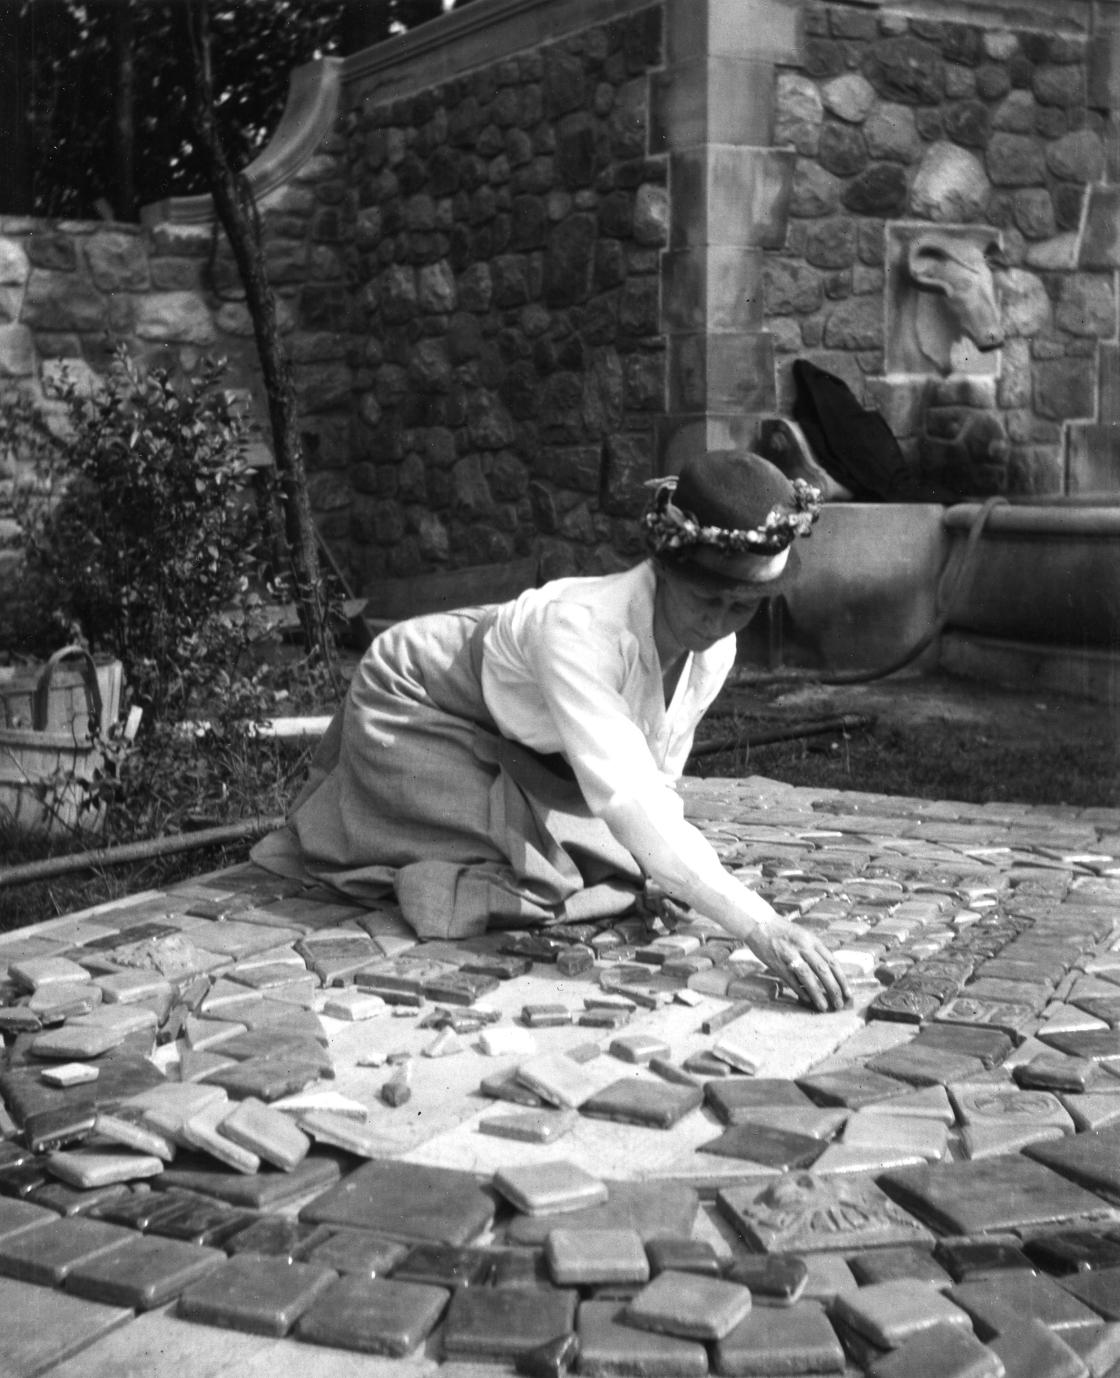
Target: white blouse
<point>572,667</point>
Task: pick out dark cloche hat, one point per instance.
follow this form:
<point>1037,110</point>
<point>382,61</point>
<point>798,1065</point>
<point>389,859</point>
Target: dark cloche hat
<point>733,514</point>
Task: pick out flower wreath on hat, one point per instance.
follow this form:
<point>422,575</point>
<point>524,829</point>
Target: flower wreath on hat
<point>668,527</point>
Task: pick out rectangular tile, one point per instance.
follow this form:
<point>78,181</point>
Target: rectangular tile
<point>43,1328</point>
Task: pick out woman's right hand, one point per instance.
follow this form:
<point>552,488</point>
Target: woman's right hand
<point>802,961</point>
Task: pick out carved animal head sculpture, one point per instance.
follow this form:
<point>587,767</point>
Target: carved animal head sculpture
<point>946,293</point>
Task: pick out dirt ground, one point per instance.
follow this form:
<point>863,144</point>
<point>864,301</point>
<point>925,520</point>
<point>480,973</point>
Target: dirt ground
<point>927,735</point>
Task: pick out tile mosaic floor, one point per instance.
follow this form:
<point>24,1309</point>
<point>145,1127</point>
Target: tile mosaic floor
<point>249,1128</point>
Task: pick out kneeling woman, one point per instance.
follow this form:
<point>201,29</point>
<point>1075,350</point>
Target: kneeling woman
<point>515,764</point>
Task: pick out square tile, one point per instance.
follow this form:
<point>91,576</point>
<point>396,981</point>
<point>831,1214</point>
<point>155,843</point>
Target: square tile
<point>888,1313</point>
<point>407,1201</point>
<point>262,1295</point>
<point>772,1149</point>
<point>609,1348</point>
<point>504,1323</point>
<point>776,1340</point>
<point>265,1190</point>
<point>531,1126</point>
<point>554,1186</point>
<point>1033,1348</point>
<point>277,1236</point>
<point>98,1167</point>
<point>773,1280</point>
<point>658,1105</point>
<point>999,1304</point>
<point>46,1253</point>
<point>689,1305</point>
<point>734,1100</point>
<point>1004,1193</point>
<point>373,1315</point>
<point>942,1352</point>
<point>649,1206</point>
<point>1091,1159</point>
<point>1098,1289</point>
<point>142,1272</point>
<point>586,1257</point>
<point>358,1251</point>
<point>800,1212</point>
<point>267,1133</point>
<point>43,1328</point>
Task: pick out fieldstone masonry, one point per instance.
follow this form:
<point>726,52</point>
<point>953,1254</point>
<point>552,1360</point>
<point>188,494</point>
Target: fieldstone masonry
<point>534,251</point>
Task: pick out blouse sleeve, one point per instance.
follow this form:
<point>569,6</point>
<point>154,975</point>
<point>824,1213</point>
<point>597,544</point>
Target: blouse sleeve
<point>580,675</point>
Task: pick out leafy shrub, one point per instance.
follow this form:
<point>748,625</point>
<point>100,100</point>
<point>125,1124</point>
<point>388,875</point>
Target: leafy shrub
<point>153,547</point>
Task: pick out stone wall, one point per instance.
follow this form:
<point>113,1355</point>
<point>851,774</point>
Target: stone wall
<point>900,118</point>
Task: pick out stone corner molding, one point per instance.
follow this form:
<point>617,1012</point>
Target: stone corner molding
<point>313,92</point>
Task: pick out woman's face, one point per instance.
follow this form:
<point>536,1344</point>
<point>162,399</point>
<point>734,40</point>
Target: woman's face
<point>697,614</point>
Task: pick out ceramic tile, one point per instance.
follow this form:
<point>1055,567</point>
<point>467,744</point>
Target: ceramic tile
<point>650,1207</point>
<point>17,1216</point>
<point>61,1127</point>
<point>358,1251</point>
<point>683,1254</point>
<point>585,1257</point>
<point>735,1100</point>
<point>998,1304</point>
<point>199,1220</point>
<point>772,1279</point>
<point>927,1137</point>
<point>129,1132</point>
<point>1057,1072</point>
<point>557,1079</point>
<point>343,1131</point>
<point>1098,1348</point>
<point>995,1194</point>
<point>1091,1159</point>
<point>551,1187</point>
<point>774,1340</point>
<point>940,1352</point>
<point>689,1305</point>
<point>444,1265</point>
<point>800,1212</point>
<point>266,1079</point>
<point>99,1167</point>
<point>46,1253</point>
<point>407,1201</point>
<point>971,1260</point>
<point>1074,1251</point>
<point>920,1065</point>
<point>143,1272</point>
<point>1098,1045</point>
<point>991,1046</point>
<point>43,1328</point>
<point>772,1149</point>
<point>1033,1350</point>
<point>262,1295</point>
<point>267,1133</point>
<point>894,1264</point>
<point>609,1348</point>
<point>1099,1289</point>
<point>531,1126</point>
<point>265,1190</point>
<point>863,1160</point>
<point>277,1236</point>
<point>658,1105</point>
<point>202,1131</point>
<point>850,1087</point>
<point>373,1315</point>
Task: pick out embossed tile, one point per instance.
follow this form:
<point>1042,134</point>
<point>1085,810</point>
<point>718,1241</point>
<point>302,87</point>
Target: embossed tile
<point>373,1315</point>
<point>261,1295</point>
<point>799,1212</point>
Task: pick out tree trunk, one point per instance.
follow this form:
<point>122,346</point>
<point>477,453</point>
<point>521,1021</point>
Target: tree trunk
<point>124,99</point>
<point>15,101</point>
<point>237,212</point>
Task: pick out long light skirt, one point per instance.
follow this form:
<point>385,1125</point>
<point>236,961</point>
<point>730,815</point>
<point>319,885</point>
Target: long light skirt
<point>412,790</point>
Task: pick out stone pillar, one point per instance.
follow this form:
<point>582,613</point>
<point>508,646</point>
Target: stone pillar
<point>712,111</point>
<point>1093,448</point>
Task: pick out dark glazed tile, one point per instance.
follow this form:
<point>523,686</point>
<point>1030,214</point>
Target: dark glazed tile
<point>143,1272</point>
<point>994,1194</point>
<point>682,1254</point>
<point>658,1105</point>
<point>736,1099</point>
<point>771,1148</point>
<point>903,1261</point>
<point>265,1296</point>
<point>358,1251</point>
<point>46,1253</point>
<point>1099,1289</point>
<point>277,1236</point>
<point>1075,1251</point>
<point>850,1086</point>
<point>373,1315</point>
<point>502,1323</point>
<point>971,1260</point>
<point>442,1265</point>
<point>1091,1159</point>
<point>773,1279</point>
<point>407,1201</point>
